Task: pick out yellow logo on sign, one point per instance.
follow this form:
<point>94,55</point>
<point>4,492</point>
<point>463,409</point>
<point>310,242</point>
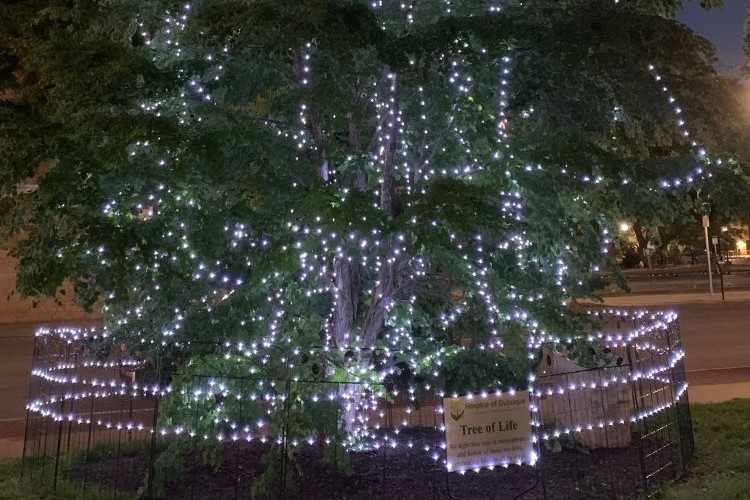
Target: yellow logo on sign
<point>456,409</point>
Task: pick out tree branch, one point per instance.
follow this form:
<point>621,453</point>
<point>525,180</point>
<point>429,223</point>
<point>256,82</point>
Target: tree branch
<point>388,151</point>
<point>383,296</point>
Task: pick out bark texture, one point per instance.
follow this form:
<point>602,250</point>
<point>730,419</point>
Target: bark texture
<point>347,293</point>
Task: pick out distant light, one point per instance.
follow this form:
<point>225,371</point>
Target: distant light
<point>624,227</point>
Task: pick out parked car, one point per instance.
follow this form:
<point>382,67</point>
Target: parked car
<point>695,255</point>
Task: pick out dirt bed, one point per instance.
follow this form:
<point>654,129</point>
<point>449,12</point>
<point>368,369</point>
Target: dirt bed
<point>408,474</point>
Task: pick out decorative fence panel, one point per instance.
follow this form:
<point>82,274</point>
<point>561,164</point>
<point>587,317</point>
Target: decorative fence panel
<point>622,430</point>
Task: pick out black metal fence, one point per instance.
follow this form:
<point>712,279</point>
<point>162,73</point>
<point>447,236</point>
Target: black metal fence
<point>622,430</point>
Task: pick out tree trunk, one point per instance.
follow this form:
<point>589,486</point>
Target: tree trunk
<point>346,296</point>
<point>381,301</point>
<point>386,284</point>
<point>360,177</point>
<point>388,186</point>
<point>641,236</point>
<point>347,287</point>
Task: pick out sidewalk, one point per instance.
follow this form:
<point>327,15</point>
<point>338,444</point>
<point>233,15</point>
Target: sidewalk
<point>718,393</point>
<point>11,437</point>
<point>663,299</point>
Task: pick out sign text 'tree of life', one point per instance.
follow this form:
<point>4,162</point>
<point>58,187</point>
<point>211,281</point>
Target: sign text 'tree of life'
<point>488,431</point>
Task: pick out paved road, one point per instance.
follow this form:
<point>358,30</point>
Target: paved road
<point>716,333</point>
<point>684,279</point>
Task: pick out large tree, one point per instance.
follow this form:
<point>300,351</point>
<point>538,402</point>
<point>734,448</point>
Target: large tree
<point>341,189</point>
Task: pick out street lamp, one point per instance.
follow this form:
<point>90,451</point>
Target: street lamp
<point>724,229</point>
<point>624,227</point>
<point>741,247</point>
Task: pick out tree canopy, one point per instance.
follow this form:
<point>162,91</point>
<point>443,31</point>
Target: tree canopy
<point>364,182</point>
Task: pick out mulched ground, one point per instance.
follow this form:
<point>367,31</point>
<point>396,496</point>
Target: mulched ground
<point>407,475</point>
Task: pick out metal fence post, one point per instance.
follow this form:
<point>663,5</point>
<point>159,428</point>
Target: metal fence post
<point>28,409</point>
<point>636,390</point>
<point>154,433</point>
<point>285,437</point>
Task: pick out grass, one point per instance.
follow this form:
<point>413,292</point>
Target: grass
<point>721,470</point>
<point>13,487</point>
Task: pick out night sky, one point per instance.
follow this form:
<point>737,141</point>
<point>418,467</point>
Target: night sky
<point>722,26</point>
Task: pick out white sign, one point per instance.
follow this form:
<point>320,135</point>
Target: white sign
<point>488,431</point>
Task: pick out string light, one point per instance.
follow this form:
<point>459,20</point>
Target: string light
<point>370,433</point>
